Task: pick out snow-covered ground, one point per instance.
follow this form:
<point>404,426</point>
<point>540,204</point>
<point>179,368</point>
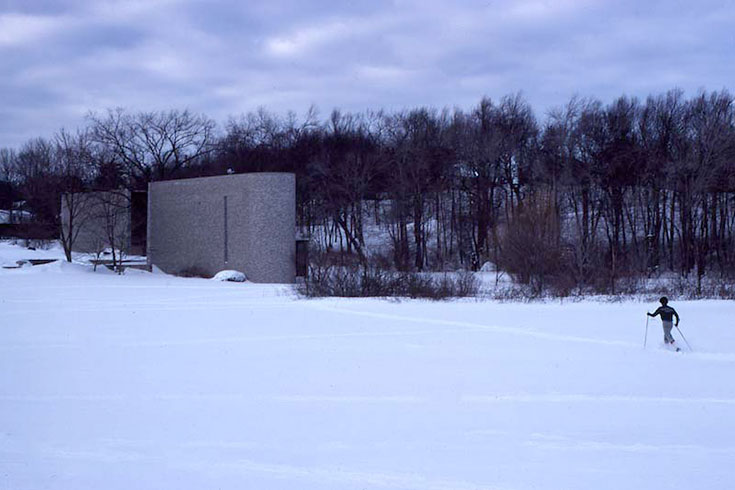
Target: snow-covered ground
<point>11,252</point>
<point>145,381</point>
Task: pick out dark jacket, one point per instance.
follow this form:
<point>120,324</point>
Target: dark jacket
<point>667,313</point>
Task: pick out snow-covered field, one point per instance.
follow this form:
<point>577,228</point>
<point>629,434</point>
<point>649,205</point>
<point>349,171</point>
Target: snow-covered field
<point>145,381</point>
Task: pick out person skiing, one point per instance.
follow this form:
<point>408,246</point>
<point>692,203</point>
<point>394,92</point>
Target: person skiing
<point>667,313</point>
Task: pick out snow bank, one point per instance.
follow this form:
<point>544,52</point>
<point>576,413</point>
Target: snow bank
<point>59,266</point>
<point>12,255</point>
<point>488,267</point>
<point>11,251</point>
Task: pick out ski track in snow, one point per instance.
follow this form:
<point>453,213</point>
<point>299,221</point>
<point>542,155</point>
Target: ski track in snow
<point>476,326</point>
<point>141,307</point>
<point>499,398</point>
<point>319,475</point>
<point>518,331</point>
<point>220,340</point>
<point>556,442</point>
<point>364,479</point>
<point>587,398</point>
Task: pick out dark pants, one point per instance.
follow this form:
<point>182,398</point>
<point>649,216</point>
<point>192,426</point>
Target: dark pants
<point>668,338</point>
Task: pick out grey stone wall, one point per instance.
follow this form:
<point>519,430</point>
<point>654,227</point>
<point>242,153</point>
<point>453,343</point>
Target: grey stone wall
<point>96,218</point>
<point>244,222</point>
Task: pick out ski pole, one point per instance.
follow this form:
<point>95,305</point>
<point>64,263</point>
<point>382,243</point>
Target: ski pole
<point>645,339</point>
<point>682,336</point>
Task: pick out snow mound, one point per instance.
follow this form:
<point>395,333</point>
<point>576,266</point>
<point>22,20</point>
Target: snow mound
<point>488,267</point>
<point>64,267</point>
<point>231,276</point>
<point>157,270</point>
<point>58,266</point>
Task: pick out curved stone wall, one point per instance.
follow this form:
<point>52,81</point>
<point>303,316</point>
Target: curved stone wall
<point>270,227</point>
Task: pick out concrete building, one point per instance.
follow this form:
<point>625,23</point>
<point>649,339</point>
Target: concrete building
<point>97,218</point>
<point>244,222</point>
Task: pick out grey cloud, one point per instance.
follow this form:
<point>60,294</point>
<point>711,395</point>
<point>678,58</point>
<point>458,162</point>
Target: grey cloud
<point>224,57</point>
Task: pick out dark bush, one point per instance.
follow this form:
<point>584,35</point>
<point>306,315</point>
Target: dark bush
<point>374,281</point>
<point>193,272</point>
<point>531,246</point>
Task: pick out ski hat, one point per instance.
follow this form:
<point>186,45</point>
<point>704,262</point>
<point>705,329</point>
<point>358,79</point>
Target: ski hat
<point>664,300</point>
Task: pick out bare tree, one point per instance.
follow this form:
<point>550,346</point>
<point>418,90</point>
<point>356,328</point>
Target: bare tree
<point>531,244</point>
<point>153,145</point>
<point>421,159</point>
<point>74,168</point>
<point>111,215</point>
<point>624,190</point>
<point>8,180</point>
<point>8,164</point>
<point>704,174</point>
<point>342,174</point>
<point>38,183</point>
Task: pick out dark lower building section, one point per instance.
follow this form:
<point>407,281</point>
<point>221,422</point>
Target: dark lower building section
<point>138,222</point>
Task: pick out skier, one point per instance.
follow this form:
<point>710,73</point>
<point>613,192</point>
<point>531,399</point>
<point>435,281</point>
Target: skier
<point>667,313</point>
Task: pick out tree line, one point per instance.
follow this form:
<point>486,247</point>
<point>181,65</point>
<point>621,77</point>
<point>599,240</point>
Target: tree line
<point>586,197</point>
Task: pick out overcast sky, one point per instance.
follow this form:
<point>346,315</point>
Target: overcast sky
<point>60,59</point>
